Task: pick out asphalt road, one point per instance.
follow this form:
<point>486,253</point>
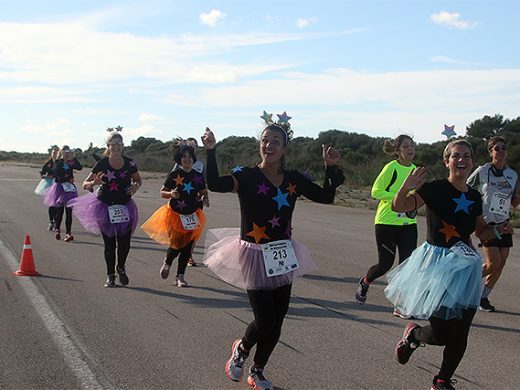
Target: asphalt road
<point>63,330</point>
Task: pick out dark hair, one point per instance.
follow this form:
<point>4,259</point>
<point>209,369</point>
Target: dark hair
<point>391,147</point>
<point>282,128</point>
<point>180,152</point>
<point>495,140</point>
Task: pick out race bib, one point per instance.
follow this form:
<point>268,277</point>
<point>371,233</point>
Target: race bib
<point>279,258</point>
<point>500,204</point>
<point>190,221</point>
<point>462,249</point>
<point>68,187</point>
<point>118,213</point>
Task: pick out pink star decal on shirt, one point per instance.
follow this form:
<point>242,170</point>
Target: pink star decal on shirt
<point>114,186</point>
<point>262,188</point>
<point>274,221</point>
<point>180,204</point>
<point>110,175</point>
<point>122,174</point>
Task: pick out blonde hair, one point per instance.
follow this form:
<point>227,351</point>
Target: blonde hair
<point>109,138</point>
<point>447,150</point>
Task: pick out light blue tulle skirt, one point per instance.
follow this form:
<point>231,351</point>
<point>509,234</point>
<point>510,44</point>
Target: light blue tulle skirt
<point>436,282</point>
<point>42,186</point>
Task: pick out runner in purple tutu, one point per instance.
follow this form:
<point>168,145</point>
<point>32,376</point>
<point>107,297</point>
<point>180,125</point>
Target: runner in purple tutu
<point>262,258</point>
<point>62,191</point>
<point>47,175</point>
<point>111,210</point>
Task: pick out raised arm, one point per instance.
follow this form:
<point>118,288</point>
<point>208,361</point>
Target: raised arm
<point>405,200</point>
<point>215,182</point>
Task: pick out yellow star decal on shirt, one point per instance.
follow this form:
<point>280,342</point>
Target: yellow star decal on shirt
<point>258,233</point>
<point>179,180</point>
<point>291,188</point>
<point>449,231</point>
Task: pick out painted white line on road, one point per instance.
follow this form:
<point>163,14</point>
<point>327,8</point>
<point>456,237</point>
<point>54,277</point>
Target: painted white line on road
<point>73,352</point>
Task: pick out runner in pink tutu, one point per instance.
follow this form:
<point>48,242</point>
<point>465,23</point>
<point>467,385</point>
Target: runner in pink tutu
<point>62,191</point>
<point>262,258</point>
<point>111,210</point>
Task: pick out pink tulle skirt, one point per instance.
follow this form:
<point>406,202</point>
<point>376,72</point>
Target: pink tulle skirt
<point>93,216</point>
<point>241,263</point>
<point>55,196</point>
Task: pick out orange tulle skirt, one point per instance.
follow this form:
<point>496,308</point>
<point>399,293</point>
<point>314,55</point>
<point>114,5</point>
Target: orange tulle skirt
<point>165,227</point>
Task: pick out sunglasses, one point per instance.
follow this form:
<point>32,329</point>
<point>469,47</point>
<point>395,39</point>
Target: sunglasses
<point>499,148</point>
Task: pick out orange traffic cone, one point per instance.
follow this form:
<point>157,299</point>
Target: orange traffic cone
<point>27,260</point>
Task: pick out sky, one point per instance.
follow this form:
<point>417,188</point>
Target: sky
<point>165,69</point>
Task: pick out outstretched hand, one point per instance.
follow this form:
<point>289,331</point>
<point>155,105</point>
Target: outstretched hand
<point>330,155</point>
<point>208,139</point>
<point>415,179</point>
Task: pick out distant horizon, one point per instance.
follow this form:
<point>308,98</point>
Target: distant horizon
<point>164,69</point>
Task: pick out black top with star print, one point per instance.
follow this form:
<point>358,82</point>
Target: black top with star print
<point>188,184</point>
<point>116,182</point>
<point>450,213</point>
<point>266,210</point>
<point>48,169</point>
<point>64,170</point>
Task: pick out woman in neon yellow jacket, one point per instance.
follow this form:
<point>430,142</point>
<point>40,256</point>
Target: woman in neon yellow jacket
<point>394,231</point>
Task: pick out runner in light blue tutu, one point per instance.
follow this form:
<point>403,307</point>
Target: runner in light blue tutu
<point>442,279</point>
<point>47,174</point>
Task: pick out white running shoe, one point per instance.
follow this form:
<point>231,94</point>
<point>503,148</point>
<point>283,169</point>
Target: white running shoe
<point>235,364</point>
<point>165,270</point>
<point>257,380</point>
<point>180,281</point>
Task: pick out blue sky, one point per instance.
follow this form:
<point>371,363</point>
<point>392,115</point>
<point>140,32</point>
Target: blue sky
<point>70,69</point>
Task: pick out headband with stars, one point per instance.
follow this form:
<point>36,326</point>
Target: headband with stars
<point>113,131</point>
<point>282,123</point>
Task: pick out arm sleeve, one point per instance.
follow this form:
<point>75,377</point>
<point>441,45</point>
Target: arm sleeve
<point>215,182</point>
<point>333,178</point>
<point>381,183</point>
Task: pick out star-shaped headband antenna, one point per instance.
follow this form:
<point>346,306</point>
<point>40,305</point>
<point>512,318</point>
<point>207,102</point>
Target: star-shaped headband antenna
<point>109,129</point>
<point>282,118</point>
<point>119,128</point>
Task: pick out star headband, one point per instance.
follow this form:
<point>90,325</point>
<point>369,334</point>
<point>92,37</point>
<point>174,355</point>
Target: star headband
<point>282,123</point>
<point>112,131</point>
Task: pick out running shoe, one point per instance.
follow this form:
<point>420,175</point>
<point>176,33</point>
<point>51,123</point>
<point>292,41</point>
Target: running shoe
<point>407,345</point>
<point>485,305</point>
<point>440,384</point>
<point>68,238</point>
<point>257,380</point>
<point>123,277</point>
<point>111,281</point>
<point>397,313</point>
<point>180,281</point>
<point>235,364</point>
<point>165,271</point>
<point>361,293</point>
<point>51,226</point>
<point>191,262</point>
<point>57,234</point>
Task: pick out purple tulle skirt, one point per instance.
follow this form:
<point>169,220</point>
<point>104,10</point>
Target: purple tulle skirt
<point>93,216</point>
<point>241,263</point>
<point>55,195</point>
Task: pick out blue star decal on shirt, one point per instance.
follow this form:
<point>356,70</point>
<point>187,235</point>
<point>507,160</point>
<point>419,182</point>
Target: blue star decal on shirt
<point>238,168</point>
<point>188,187</point>
<point>281,199</point>
<point>463,203</point>
<point>66,166</point>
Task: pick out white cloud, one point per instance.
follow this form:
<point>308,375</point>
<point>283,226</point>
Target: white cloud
<point>305,22</point>
<point>444,59</point>
<point>150,117</point>
<point>212,18</point>
<point>451,19</point>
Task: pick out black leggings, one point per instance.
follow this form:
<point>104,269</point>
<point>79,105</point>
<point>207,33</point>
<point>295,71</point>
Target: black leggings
<point>185,254</point>
<point>58,217</point>
<point>52,212</point>
<point>269,308</point>
<point>388,238</point>
<point>453,334</point>
<point>122,243</point>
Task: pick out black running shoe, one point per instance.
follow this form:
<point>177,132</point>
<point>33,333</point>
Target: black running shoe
<point>440,384</point>
<point>123,277</point>
<point>485,305</point>
<point>111,281</point>
<point>407,345</point>
<point>361,293</point>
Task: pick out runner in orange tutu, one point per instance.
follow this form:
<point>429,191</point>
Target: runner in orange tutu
<point>180,222</point>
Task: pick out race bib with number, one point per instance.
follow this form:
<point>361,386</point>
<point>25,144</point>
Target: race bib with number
<point>279,258</point>
<point>190,221</point>
<point>500,204</point>
<point>68,187</point>
<point>118,213</point>
<point>465,250</point>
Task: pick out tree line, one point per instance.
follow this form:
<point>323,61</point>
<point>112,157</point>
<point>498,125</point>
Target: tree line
<point>362,155</point>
